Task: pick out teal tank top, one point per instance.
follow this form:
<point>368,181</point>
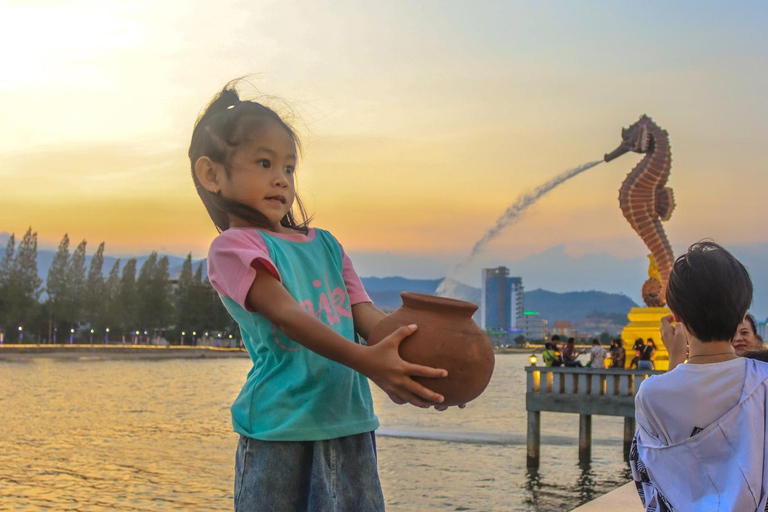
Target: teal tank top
<point>292,393</point>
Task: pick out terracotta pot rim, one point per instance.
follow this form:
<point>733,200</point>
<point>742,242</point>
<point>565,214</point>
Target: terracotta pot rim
<point>427,302</point>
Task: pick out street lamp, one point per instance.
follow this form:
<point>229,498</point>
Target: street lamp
<point>71,335</point>
<point>106,336</point>
<point>21,333</point>
<point>90,338</point>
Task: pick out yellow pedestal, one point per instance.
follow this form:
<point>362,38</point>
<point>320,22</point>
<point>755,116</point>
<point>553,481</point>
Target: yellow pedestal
<point>646,323</point>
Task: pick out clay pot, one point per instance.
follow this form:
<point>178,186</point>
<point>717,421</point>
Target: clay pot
<point>446,337</point>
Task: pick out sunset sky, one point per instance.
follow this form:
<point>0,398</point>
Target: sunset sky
<point>421,120</point>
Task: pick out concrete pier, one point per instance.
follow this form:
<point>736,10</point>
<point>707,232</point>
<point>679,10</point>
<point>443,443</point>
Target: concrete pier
<point>582,391</point>
<point>624,499</point>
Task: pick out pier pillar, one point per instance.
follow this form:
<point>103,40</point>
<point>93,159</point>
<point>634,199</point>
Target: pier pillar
<point>629,433</point>
<point>585,437</point>
<point>534,438</point>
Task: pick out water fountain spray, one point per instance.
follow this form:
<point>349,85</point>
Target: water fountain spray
<point>449,286</point>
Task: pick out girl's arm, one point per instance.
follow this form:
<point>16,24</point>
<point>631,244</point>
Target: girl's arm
<point>366,316</point>
<point>380,363</point>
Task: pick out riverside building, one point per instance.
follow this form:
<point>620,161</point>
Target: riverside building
<point>501,306</point>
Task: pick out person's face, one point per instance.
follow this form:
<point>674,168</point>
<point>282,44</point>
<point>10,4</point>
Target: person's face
<point>261,173</point>
<point>745,339</point>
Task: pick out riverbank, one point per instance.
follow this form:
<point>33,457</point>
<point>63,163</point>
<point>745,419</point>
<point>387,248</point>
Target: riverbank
<point>14,352</point>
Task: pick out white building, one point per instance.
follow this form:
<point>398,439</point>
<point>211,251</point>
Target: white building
<point>517,309</point>
<point>534,327</point>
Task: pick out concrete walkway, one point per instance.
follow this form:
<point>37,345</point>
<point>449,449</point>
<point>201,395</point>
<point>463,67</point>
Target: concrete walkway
<point>623,499</point>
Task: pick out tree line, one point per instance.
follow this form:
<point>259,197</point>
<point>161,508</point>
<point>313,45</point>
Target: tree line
<point>82,305</point>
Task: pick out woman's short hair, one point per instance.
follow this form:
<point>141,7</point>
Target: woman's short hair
<point>710,290</point>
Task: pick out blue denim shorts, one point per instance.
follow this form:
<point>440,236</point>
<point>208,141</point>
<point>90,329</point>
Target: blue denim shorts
<point>644,365</point>
<point>308,476</point>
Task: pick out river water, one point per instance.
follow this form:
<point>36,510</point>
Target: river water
<point>155,435</point>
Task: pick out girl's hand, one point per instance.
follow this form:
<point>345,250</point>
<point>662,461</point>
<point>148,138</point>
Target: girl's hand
<point>393,374</point>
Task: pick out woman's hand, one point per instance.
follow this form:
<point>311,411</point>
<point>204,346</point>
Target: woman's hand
<point>384,366</point>
<point>673,337</point>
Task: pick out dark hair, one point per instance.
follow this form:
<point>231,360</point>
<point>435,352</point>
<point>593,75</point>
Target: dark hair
<point>751,319</point>
<point>571,340</point>
<point>548,346</point>
<point>595,341</point>
<point>760,355</point>
<point>710,291</point>
<point>226,123</point>
<point>555,338</point>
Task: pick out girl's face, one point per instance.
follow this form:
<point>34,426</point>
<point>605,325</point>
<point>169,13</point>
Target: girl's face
<point>262,174</point>
<point>745,339</point>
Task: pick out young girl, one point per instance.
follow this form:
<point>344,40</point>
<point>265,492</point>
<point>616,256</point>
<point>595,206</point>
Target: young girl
<point>305,414</point>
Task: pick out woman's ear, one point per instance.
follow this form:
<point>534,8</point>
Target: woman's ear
<point>208,174</point>
<point>676,317</point>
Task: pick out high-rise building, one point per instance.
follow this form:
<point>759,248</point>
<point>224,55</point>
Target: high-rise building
<point>501,302</point>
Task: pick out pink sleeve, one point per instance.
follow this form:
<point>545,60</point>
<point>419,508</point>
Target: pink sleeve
<point>231,263</point>
<point>357,293</point>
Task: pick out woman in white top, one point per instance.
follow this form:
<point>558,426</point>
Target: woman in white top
<point>597,355</point>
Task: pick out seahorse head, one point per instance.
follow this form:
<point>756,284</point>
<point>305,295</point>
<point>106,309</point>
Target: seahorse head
<point>634,138</point>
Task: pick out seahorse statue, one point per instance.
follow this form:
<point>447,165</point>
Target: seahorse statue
<point>643,197</point>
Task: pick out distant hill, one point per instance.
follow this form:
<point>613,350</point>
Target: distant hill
<point>585,310</point>
<point>588,310</point>
<point>575,306</point>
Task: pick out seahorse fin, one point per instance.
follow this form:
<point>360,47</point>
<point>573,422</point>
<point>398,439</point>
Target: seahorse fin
<point>665,203</point>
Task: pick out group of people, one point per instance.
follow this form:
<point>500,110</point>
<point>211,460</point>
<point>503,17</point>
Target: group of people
<point>566,355</point>
<point>745,341</point>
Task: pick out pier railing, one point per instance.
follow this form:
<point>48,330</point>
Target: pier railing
<point>582,391</point>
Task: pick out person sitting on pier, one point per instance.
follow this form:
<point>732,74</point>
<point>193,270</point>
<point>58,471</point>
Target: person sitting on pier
<point>597,355</point>
<point>647,355</point>
<point>569,355</point>
<point>700,442</point>
<point>638,348</point>
<point>618,354</point>
<point>550,356</point>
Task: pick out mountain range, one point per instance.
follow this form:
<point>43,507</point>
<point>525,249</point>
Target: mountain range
<point>550,275</point>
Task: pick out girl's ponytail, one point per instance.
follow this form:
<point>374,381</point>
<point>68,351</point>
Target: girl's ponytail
<point>227,99</point>
<point>216,135</point>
